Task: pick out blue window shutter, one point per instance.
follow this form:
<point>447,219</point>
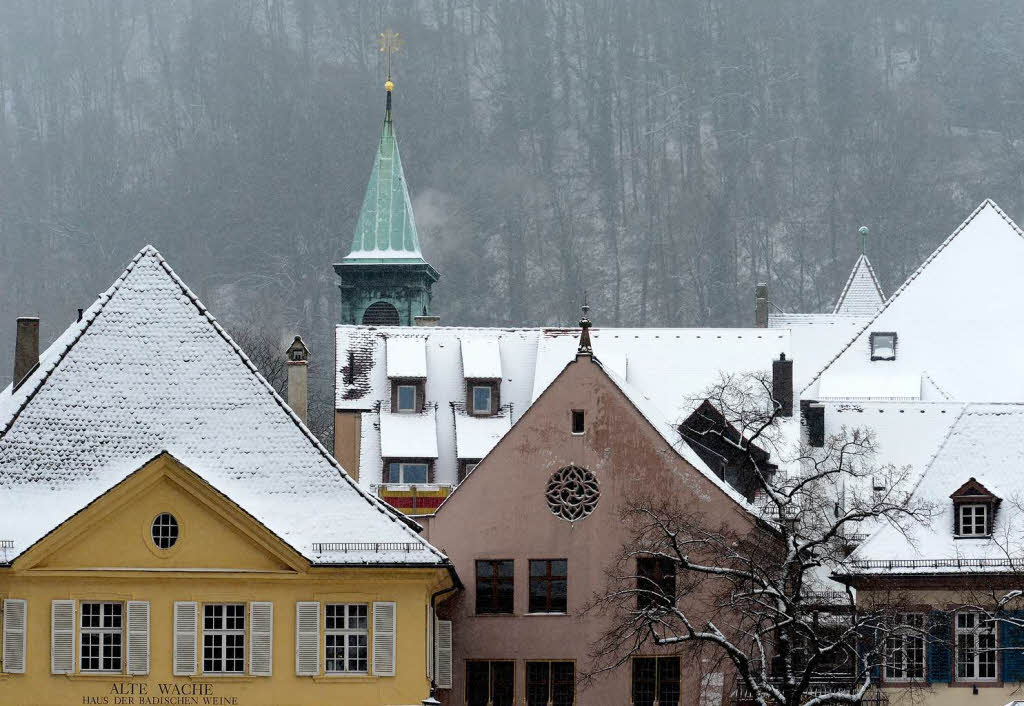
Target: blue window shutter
<point>940,646</point>
<point>1011,640</point>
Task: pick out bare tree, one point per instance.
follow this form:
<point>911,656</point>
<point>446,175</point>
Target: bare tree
<point>759,599</point>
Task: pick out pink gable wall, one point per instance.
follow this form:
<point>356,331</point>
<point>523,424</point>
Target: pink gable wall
<point>500,512</point>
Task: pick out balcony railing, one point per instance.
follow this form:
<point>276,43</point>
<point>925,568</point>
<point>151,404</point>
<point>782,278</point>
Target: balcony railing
<point>415,498</point>
<point>364,547</point>
<point>1014,564</point>
<point>874,697</point>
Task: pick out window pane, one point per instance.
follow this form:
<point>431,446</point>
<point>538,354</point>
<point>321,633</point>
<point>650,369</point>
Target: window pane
<point>668,681</point>
<point>644,681</point>
<point>406,397</point>
<point>502,683</point>
<point>394,473</point>
<point>537,685</point>
<point>559,602</point>
<point>563,683</point>
<point>414,473</point>
<point>481,399</point>
<point>478,691</point>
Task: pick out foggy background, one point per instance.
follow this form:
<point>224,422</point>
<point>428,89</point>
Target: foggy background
<point>663,155</point>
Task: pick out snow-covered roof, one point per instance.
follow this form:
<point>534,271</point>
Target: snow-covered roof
<point>408,434</point>
<point>670,366</point>
<point>407,357</point>
<point>476,435</point>
<point>815,339</point>
<point>862,295</point>
<point>985,442</point>
<point>481,358</point>
<point>147,370</point>
<point>951,319</point>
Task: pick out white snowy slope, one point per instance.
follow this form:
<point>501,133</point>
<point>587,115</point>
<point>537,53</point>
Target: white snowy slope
<point>954,321</point>
<point>985,443</point>
<point>147,370</point>
<point>862,295</point>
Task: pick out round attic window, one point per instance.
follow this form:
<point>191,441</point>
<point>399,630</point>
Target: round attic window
<point>572,493</point>
<point>165,530</point>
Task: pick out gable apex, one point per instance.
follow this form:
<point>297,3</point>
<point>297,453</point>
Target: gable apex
<point>973,489</point>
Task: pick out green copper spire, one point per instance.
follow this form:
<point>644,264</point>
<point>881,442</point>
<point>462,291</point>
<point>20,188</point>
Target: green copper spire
<point>386,230</point>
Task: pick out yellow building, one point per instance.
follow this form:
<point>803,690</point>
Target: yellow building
<point>171,533</point>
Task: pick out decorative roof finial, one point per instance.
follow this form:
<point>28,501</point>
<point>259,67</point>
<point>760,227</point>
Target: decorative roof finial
<point>585,346</point>
<point>389,43</point>
<point>863,230</point>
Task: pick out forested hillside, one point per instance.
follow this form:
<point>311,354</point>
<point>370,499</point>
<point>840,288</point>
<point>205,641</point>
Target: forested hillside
<point>663,155</point>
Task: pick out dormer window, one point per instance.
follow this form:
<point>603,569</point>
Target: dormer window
<point>972,520</point>
<point>406,397</point>
<point>883,345</point>
<point>482,396</point>
<point>974,510</point>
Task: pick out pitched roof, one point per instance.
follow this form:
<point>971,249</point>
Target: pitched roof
<point>386,229</point>
<point>952,317</point>
<point>987,443</point>
<point>862,295</point>
<point>148,369</point>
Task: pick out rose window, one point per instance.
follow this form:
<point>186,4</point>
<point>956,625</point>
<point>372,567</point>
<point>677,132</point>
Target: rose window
<point>572,493</point>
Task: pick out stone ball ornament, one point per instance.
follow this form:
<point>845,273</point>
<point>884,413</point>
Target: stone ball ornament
<point>572,493</point>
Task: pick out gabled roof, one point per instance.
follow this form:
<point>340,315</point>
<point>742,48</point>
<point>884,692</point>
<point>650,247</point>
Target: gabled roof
<point>953,317</point>
<point>386,229</point>
<point>972,489</point>
<point>985,443</point>
<point>148,369</point>
<point>862,295</point>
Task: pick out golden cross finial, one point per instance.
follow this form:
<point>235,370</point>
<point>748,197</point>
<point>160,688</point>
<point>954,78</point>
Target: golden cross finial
<point>390,42</point>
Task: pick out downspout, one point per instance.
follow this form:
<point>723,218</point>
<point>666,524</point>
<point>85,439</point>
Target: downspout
<point>456,586</point>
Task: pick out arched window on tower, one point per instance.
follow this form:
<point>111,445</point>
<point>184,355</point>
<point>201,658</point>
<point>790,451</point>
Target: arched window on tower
<point>380,314</point>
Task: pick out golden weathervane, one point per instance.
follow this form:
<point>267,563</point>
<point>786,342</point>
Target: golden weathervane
<point>389,43</point>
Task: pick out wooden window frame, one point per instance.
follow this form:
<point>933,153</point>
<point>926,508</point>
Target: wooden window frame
<point>548,578</point>
<point>490,678</point>
<point>101,631</point>
<point>644,597</point>
<point>898,641</point>
<point>550,682</point>
<point>976,631</point>
<point>657,676</point>
<point>344,633</point>
<point>493,585</point>
<point>429,463</point>
<point>495,387</point>
<point>224,632</point>
<point>466,466</point>
<point>986,508</point>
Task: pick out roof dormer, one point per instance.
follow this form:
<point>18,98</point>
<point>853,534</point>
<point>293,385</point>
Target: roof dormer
<point>974,510</point>
<point>407,372</point>
<point>481,369</point>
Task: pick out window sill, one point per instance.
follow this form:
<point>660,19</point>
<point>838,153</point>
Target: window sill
<point>225,677</point>
<point>102,676</point>
<point>981,684</point>
<point>345,678</point>
<point>494,615</point>
<point>545,615</point>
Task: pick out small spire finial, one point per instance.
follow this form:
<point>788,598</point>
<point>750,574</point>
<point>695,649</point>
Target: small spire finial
<point>389,43</point>
<point>585,346</point>
<point>864,231</point>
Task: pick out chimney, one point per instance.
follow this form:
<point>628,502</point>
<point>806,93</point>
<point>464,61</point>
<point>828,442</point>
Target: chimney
<point>782,384</point>
<point>26,348</point>
<point>761,305</point>
<point>298,375</point>
<point>426,320</point>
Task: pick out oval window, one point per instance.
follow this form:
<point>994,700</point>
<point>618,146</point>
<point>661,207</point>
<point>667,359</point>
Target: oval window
<point>165,530</point>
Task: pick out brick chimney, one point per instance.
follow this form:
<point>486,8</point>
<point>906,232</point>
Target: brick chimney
<point>782,384</point>
<point>298,378</point>
<point>761,305</point>
<point>26,348</point>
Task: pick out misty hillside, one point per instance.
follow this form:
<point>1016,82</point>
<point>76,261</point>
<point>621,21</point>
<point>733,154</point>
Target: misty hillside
<point>664,155</point>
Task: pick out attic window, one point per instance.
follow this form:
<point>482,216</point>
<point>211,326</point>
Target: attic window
<point>883,345</point>
<point>406,398</point>
<point>577,421</point>
<point>481,399</point>
<point>165,530</point>
<point>972,520</point>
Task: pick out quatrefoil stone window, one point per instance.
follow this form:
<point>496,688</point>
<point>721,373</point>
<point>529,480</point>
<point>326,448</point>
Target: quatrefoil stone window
<point>572,493</point>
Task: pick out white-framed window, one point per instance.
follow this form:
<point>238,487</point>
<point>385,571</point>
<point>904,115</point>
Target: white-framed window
<point>408,472</point>
<point>482,399</point>
<point>346,638</point>
<point>905,648</point>
<point>975,647</point>
<point>972,520</point>
<point>406,397</point>
<point>224,638</point>
<point>102,637</point>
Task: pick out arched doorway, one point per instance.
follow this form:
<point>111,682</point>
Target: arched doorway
<point>380,314</point>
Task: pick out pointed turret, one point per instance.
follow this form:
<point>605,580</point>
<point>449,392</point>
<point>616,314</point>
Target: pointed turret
<point>384,279</point>
<point>862,295</point>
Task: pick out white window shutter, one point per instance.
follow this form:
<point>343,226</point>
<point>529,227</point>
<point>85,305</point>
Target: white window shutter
<point>443,661</point>
<point>15,627</point>
<point>307,638</point>
<point>261,638</point>
<point>62,637</point>
<point>384,639</point>
<point>186,633</point>
<point>138,637</point>
<point>430,643</point>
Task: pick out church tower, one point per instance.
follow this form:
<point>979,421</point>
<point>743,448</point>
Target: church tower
<point>384,280</point>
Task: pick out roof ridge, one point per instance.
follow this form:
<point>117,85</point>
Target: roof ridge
<point>382,507</point>
<point>914,275</point>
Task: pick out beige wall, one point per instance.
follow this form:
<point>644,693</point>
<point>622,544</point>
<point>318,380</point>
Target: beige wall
<point>347,431</point>
<point>500,512</point>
